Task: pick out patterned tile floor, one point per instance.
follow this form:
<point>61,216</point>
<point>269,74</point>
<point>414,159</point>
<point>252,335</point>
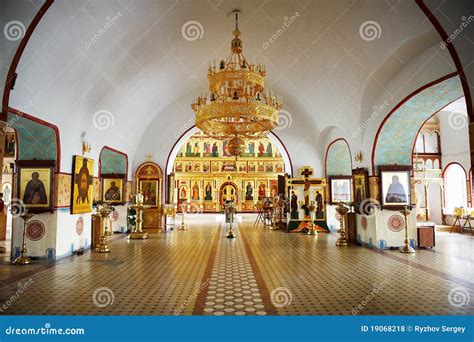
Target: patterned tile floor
<point>261,272</point>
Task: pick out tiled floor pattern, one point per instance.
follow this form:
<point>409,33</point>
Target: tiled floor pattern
<point>233,289</point>
<point>259,272</point>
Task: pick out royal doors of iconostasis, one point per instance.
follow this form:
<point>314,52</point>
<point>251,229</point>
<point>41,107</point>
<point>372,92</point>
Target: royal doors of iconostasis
<point>149,181</point>
<point>228,193</point>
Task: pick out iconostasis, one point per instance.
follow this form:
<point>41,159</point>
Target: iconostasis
<point>207,175</point>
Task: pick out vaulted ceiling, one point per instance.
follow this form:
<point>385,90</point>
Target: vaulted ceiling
<point>132,62</point>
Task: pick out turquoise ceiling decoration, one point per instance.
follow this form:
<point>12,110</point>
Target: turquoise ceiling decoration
<point>36,140</point>
<point>396,138</point>
<point>338,162</point>
<point>112,161</point>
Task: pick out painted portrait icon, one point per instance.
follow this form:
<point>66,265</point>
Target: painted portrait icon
<point>149,190</point>
<point>395,187</point>
<point>83,178</point>
<point>34,188</point>
<point>112,190</point>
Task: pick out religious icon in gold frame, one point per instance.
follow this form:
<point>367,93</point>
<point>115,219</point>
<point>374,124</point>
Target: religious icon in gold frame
<point>395,186</point>
<point>360,182</point>
<point>320,202</point>
<point>149,189</point>
<point>10,144</point>
<point>82,185</point>
<point>112,188</point>
<point>341,189</point>
<point>35,184</point>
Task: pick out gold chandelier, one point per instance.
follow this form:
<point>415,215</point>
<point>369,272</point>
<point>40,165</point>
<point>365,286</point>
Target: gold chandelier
<point>237,106</point>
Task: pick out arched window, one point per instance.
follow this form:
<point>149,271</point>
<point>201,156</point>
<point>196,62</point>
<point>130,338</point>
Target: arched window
<point>455,187</point>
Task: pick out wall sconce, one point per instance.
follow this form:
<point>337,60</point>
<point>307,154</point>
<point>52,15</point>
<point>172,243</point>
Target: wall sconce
<point>359,157</point>
<point>86,147</point>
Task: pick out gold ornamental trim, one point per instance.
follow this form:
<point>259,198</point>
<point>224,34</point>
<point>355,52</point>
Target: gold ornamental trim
<point>217,79</point>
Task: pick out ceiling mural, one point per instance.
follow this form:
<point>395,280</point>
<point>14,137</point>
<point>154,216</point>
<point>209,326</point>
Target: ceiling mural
<point>35,140</point>
<point>395,141</point>
<point>112,162</point>
<point>338,161</point>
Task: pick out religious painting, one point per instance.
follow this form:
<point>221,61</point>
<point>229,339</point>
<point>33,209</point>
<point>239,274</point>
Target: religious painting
<point>96,185</point>
<point>7,192</point>
<point>360,182</point>
<point>261,150</point>
<point>208,192</point>
<point>229,166</point>
<point>279,168</point>
<point>215,167</point>
<point>395,186</point>
<point>242,166</point>
<point>273,187</point>
<point>319,202</point>
<point>112,189</point>
<point>207,152</point>
<point>62,192</point>
<point>341,189</point>
<point>251,167</point>
<point>262,190</point>
<point>268,167</point>
<point>182,194</point>
<point>249,149</point>
<point>195,191</point>
<point>35,185</point>
<point>82,185</point>
<point>188,167</point>
<point>261,167</point>
<point>149,190</point>
<point>10,144</point>
<point>249,191</point>
<point>178,167</point>
<point>196,167</point>
<point>214,150</point>
<point>225,149</point>
<point>8,168</point>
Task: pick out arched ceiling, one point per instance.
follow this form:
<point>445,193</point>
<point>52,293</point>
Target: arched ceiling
<point>131,62</point>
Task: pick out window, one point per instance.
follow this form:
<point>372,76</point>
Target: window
<point>455,187</point>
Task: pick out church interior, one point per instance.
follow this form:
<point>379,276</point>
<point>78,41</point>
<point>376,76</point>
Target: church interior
<point>237,158</point>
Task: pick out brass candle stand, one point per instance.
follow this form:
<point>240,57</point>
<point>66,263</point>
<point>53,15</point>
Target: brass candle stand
<point>342,210</point>
<point>229,210</point>
<point>138,233</point>
<point>183,208</point>
<point>23,258</point>
<point>312,212</point>
<point>103,211</point>
<point>406,248</point>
